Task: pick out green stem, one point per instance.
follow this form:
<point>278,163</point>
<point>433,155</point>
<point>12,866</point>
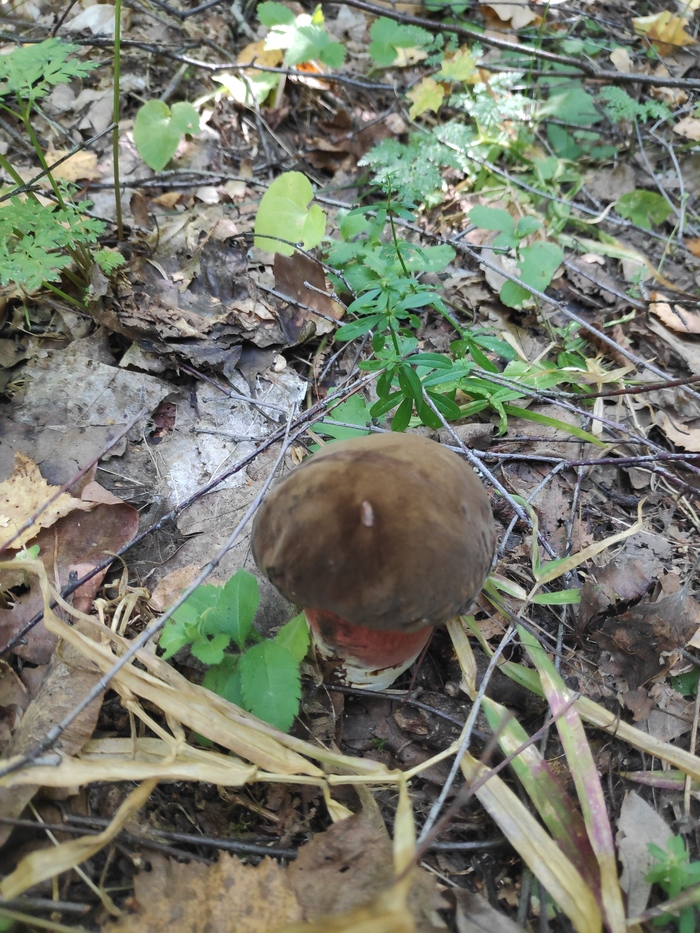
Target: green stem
<point>40,156</point>
<point>64,296</point>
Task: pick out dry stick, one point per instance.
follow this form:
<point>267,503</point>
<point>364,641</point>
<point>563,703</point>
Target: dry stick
<point>74,479</point>
<point>589,69</point>
<point>639,389</point>
<point>466,737</point>
<point>309,417</point>
<point>55,731</point>
<point>467,792</point>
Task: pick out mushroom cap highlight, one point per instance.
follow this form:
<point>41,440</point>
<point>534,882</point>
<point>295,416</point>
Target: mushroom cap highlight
<point>387,531</point>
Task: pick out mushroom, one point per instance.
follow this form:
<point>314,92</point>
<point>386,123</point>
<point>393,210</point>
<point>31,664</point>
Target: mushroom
<point>379,539</point>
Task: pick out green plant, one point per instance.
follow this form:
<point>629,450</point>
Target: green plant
<point>674,874</point>
<point>302,38</point>
<point>536,263</point>
<point>284,217</point>
<point>158,130</point>
<point>263,675</point>
<point>39,242</point>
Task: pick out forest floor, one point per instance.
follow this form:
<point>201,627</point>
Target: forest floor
<point>503,254</point>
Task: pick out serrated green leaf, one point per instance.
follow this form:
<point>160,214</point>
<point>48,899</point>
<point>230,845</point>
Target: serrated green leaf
<point>173,637</point>
<point>294,636</point>
<point>31,71</point>
<point>388,36</point>
<point>211,650</point>
<point>274,14</point>
<point>237,605</point>
<point>158,130</point>
<point>224,680</point>
<point>270,683</point>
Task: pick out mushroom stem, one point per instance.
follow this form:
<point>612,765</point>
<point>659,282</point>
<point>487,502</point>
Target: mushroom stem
<point>375,657</point>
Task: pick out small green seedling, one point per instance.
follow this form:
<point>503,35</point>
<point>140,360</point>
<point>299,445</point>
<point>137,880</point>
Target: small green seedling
<point>158,130</point>
<point>263,675</point>
<point>536,263</point>
<point>674,874</point>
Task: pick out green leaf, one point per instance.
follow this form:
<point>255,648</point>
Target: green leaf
<point>409,382</point>
<point>526,226</point>
<point>644,208</point>
<point>434,360</point>
<point>560,598</point>
<point>357,328</point>
<point>173,637</point>
<point>385,404</point>
<point>270,683</point>
<point>211,650</point>
<point>313,42</point>
<point>108,260</point>
<point>513,295</point>
<point>284,213</point>
<point>537,418</point>
<point>294,636</point>
<point>445,406</point>
<point>353,411</point>
<point>237,606</point>
<point>576,107</point>
<point>224,679</point>
<point>538,263</point>
<point>158,130</point>
<point>31,71</point>
<point>275,14</point>
<point>388,36</point>
<point>35,239</point>
<point>402,418</point>
<point>492,218</point>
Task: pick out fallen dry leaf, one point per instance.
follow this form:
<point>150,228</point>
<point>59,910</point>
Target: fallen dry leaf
<point>22,495</point>
<point>678,433</point>
<point>219,898</point>
<point>621,59</point>
<point>677,317</point>
<point>638,824</point>
<point>78,167</point>
<point>688,127</point>
<point>517,12</point>
<point>663,29</point>
<point>68,679</point>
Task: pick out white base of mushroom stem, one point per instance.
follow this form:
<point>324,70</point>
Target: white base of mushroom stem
<point>367,658</point>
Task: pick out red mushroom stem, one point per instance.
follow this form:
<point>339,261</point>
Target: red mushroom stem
<point>373,649</point>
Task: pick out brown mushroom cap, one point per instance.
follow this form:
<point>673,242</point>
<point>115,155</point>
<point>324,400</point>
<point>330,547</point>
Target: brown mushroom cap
<point>388,531</point>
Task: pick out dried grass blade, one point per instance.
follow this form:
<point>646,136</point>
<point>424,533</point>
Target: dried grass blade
<point>541,854</point>
<point>543,787</point>
<point>586,779</point>
<point>47,863</point>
